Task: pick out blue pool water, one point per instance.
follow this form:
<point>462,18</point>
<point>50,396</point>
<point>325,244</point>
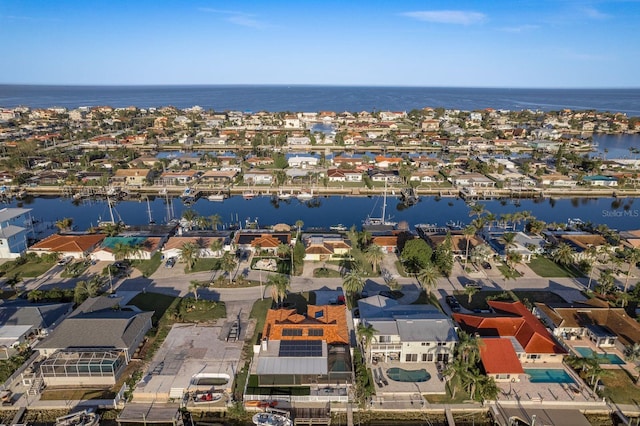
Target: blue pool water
<point>602,358</point>
<point>401,375</point>
<point>546,375</point>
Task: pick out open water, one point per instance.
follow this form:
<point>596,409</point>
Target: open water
<point>321,98</point>
<point>621,214</point>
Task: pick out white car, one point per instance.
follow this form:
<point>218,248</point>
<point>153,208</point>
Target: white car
<point>65,260</point>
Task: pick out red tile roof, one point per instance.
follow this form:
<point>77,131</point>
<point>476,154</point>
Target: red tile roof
<point>498,357</point>
<point>331,319</point>
<point>512,319</point>
<point>69,243</point>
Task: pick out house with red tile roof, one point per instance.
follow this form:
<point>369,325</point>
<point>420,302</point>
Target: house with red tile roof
<point>304,349</point>
<point>530,339</point>
<point>388,243</point>
<point>265,240</point>
<point>499,360</point>
<point>78,246</point>
<point>325,247</point>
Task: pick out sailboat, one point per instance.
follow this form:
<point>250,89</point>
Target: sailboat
<point>113,220</point>
<point>151,221</point>
<point>383,222</point>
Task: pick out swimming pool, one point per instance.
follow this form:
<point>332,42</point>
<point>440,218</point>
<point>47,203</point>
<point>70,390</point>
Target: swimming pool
<point>401,375</point>
<point>602,358</point>
<point>548,375</point>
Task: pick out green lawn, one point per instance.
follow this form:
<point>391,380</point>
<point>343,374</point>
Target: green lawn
<point>620,388</point>
<point>75,269</point>
<point>30,269</point>
<point>509,273</point>
<point>202,310</point>
<point>206,264</point>
<point>156,302</point>
<point>326,273</point>
<point>547,268</point>
<point>148,267</point>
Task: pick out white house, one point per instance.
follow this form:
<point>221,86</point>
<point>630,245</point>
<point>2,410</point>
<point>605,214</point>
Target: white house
<point>16,225</point>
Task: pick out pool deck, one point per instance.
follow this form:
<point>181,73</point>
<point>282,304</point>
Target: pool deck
<point>432,386</point>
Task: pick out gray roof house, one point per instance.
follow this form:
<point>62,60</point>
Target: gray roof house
<point>94,344</point>
<point>407,333</point>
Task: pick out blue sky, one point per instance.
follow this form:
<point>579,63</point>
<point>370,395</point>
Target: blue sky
<point>497,43</point>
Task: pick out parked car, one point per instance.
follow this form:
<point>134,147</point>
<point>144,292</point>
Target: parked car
<point>453,303</point>
<point>486,265</point>
<point>170,263</point>
<point>65,260</point>
<point>474,284</point>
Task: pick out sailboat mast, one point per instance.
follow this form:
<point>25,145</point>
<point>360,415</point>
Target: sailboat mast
<point>384,202</point>
<point>110,210</point>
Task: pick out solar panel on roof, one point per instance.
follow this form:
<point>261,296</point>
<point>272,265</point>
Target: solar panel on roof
<point>300,348</point>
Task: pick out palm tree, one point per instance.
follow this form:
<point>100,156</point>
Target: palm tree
<point>428,277</point>
<point>508,239</point>
<point>476,210</point>
<point>299,225</point>
<point>86,289</point>
<point>632,354</point>
<point>607,282</point>
<point>202,222</point>
<point>353,281</point>
<point>563,254</point>
<point>216,246</point>
<point>189,254</point>
<point>64,224</point>
<point>215,220</point>
<point>194,285</point>
<point>190,217</point>
<point>283,250</point>
<point>469,231</point>
<point>35,296</point>
<point>365,333</point>
<point>374,255</point>
<point>631,256</point>
<point>467,348</point>
<point>228,263</point>
<point>279,285</point>
<point>470,291</point>
<point>121,251</point>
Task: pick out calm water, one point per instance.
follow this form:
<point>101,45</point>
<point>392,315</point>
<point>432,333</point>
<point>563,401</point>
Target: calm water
<point>318,98</point>
<point>620,214</point>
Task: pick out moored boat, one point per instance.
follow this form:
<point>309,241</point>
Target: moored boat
<point>272,417</point>
<point>207,397</point>
<point>338,227</point>
<point>81,418</point>
<point>216,197</point>
<point>248,195</point>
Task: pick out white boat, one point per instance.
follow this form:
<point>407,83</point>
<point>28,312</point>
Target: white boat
<point>381,221</point>
<point>284,196</point>
<point>216,197</point>
<point>248,195</point>
<point>272,417</point>
<point>163,191</point>
<point>80,418</point>
<point>207,397</point>
<point>305,196</point>
<point>187,193</point>
<point>338,227</point>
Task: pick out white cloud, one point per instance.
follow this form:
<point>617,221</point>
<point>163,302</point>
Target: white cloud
<point>594,13</point>
<point>459,17</point>
<point>520,28</point>
<point>236,17</point>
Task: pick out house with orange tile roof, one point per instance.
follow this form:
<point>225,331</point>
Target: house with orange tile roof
<point>78,246</point>
<point>530,340</point>
<point>388,243</point>
<point>499,360</point>
<point>320,247</point>
<point>304,349</point>
<point>136,177</point>
<point>173,246</point>
<point>142,247</point>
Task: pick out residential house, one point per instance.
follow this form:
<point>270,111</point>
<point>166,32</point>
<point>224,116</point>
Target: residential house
<point>458,242</point>
<point>499,360</point>
<point>387,243</point>
<point>387,162</point>
<point>425,176</point>
<point>251,240</point>
<point>183,177</point>
<point>173,246</point>
<point>343,175</point>
<point>304,349</point>
<point>323,247</point>
<point>525,245</point>
<point>16,226</point>
<point>529,338</point>
<point>77,246</point>
<point>407,333</point>
<point>141,248</point>
<point>258,177</point>
<point>599,180</point>
<point>471,180</point>
<point>303,161</point>
<point>218,177</point>
<point>556,179</point>
<point>594,320</point>
<point>132,177</point>
<point>23,322</point>
<point>94,344</point>
<point>298,140</point>
<point>390,176</point>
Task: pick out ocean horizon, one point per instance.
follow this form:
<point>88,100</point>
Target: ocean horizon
<point>338,98</point>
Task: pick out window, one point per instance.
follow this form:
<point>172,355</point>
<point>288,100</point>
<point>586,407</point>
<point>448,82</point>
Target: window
<point>411,357</point>
<point>316,332</point>
<point>427,357</point>
<point>385,339</point>
<point>426,344</point>
<point>533,356</point>
<point>292,332</point>
<point>442,343</point>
